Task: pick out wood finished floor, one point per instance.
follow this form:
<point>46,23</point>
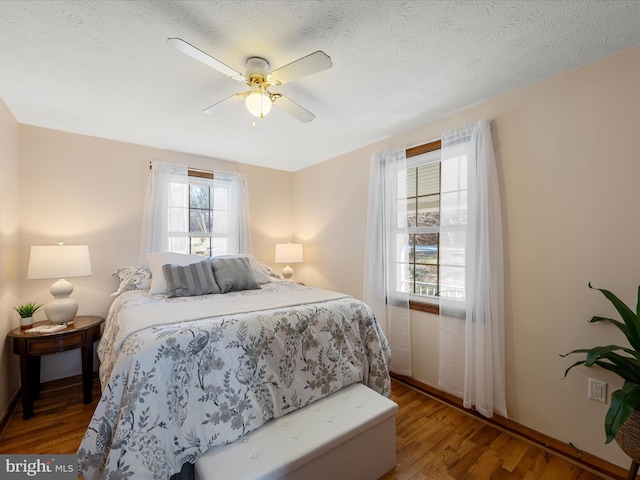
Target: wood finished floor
<point>434,441</point>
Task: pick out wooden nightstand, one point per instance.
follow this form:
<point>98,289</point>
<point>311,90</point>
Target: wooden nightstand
<point>82,333</point>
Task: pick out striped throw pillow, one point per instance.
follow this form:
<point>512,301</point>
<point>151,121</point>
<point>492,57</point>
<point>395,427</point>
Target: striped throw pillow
<point>190,280</point>
<point>234,274</point>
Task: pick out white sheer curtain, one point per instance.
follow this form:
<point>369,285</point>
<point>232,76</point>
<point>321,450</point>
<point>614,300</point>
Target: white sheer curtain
<point>472,362</point>
<point>158,224</point>
<point>166,213</point>
<point>239,238</point>
<point>387,244</point>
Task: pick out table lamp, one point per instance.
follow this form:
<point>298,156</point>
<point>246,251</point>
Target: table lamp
<point>288,253</point>
<point>60,261</point>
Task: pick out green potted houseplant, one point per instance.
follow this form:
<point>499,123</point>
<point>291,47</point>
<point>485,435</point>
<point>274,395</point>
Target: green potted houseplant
<point>26,312</point>
<point>624,362</point>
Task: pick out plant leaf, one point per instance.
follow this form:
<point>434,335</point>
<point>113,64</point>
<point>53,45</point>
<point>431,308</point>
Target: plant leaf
<point>628,316</point>
<point>591,352</point>
<point>623,402</point>
<point>581,362</point>
<point>621,326</point>
<point>627,368</point>
<point>579,350</point>
<point>624,372</point>
<point>597,352</point>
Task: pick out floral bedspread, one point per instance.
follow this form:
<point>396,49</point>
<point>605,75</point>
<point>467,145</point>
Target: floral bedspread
<point>173,391</point>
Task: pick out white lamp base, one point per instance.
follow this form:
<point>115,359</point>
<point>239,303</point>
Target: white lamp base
<point>62,309</point>
<point>287,272</point>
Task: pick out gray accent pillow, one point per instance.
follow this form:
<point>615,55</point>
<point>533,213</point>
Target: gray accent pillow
<point>190,280</point>
<point>258,272</point>
<point>234,274</point>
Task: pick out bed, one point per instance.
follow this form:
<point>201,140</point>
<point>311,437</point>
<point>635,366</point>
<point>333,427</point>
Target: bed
<point>183,374</point>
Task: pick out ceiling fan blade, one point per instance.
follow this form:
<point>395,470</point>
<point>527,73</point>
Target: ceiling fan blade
<point>216,106</point>
<point>199,55</point>
<point>293,109</point>
<point>313,63</point>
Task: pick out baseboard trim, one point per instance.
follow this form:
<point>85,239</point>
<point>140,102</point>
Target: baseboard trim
<point>63,382</point>
<point>592,463</point>
<point>13,404</point>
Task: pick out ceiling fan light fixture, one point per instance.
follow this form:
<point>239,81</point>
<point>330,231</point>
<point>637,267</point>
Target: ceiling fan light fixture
<point>258,102</point>
<point>259,77</point>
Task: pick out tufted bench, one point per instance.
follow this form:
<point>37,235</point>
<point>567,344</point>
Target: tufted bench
<point>350,434</point>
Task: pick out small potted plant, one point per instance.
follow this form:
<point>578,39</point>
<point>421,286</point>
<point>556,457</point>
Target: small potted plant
<point>622,420</point>
<point>26,312</point>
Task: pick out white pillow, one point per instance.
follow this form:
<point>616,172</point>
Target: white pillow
<point>158,259</point>
<point>268,272</point>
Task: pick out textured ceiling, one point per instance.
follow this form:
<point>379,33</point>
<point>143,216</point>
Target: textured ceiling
<point>103,68</point>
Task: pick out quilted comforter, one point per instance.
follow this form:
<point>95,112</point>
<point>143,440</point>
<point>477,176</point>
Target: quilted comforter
<point>172,388</point>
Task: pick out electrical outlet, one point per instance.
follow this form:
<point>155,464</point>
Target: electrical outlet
<point>597,390</point>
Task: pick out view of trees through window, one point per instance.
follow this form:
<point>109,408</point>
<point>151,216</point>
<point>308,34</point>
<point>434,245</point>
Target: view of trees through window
<point>208,218</point>
<point>423,219</point>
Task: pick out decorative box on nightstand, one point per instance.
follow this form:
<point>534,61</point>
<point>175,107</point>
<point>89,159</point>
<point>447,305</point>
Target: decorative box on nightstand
<point>82,333</point>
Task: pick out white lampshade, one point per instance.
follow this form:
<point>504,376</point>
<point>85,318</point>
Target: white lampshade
<point>258,102</point>
<point>60,261</point>
<point>288,253</point>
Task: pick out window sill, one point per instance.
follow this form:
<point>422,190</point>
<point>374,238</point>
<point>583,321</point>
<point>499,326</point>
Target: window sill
<point>424,307</point>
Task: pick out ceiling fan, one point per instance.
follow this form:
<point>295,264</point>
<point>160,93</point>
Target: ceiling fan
<point>259,78</point>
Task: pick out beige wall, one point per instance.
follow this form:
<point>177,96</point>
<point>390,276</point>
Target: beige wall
<point>568,153</point>
<point>9,243</point>
<point>87,190</point>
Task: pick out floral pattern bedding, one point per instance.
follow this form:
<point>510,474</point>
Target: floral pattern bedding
<point>173,391</point>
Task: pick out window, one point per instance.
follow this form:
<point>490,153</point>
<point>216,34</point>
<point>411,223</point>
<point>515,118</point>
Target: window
<point>423,221</point>
<point>199,215</point>
<point>433,264</point>
<point>187,211</point>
